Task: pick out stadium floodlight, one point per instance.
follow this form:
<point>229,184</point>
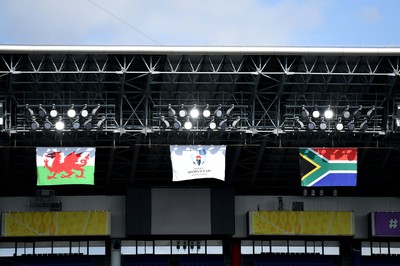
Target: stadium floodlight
<point>351,126</point>
<point>29,112</point>
<point>206,111</point>
<point>84,112</point>
<point>164,123</point>
<point>194,112</point>
<point>171,111</point>
<point>71,113</point>
<point>60,124</point>
<point>218,112</point>
<point>235,123</point>
<point>346,112</point>
<point>316,112</point>
<point>47,124</point>
<point>88,124</point>
<point>101,122</point>
<point>298,124</point>
<point>311,124</point>
<point>304,112</point>
<point>176,124</point>
<point>212,125</point>
<point>357,113</point>
<point>364,125</point>
<point>339,124</point>
<point>229,111</point>
<point>223,124</point>
<point>76,124</point>
<point>371,112</point>
<point>34,124</point>
<point>328,114</point>
<point>53,111</point>
<point>188,124</point>
<point>95,111</point>
<point>323,125</point>
<point>41,111</point>
<point>182,112</point>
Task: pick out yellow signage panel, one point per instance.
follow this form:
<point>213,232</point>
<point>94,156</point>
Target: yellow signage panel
<point>322,223</point>
<point>79,223</point>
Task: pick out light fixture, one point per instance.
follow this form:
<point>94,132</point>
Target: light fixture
<point>1,114</point>
<point>84,112</point>
<point>310,124</point>
<point>188,124</point>
<point>351,126</point>
<point>357,113</point>
<point>95,111</point>
<point>206,111</point>
<point>60,124</point>
<point>346,112</point>
<point>182,112</point>
<point>223,124</point>
<point>212,125</point>
<point>47,124</point>
<point>328,114</point>
<point>76,124</point>
<point>298,124</point>
<point>41,111</point>
<point>312,192</point>
<point>176,124</point>
<point>164,123</point>
<point>304,112</point>
<point>100,123</point>
<point>316,112</point>
<point>229,111</point>
<point>339,124</point>
<point>321,192</point>
<point>218,112</point>
<point>323,125</point>
<point>88,124</point>
<point>235,122</point>
<point>194,112</point>
<point>53,111</point>
<point>171,111</point>
<point>29,112</point>
<point>34,124</point>
<point>371,112</point>
<point>71,113</point>
<point>364,125</point>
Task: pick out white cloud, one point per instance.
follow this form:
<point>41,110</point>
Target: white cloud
<point>172,22</point>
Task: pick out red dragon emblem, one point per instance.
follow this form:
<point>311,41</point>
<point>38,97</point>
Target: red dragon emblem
<point>72,162</point>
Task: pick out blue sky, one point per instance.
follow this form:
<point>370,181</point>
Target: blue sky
<point>201,22</point>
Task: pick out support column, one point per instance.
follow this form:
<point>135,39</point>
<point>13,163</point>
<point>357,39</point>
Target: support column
<point>115,252</point>
<point>235,253</point>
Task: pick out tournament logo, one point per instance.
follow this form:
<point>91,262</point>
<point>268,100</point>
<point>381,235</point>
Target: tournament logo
<point>199,156</point>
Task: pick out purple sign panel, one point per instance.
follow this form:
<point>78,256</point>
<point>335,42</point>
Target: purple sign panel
<point>385,223</point>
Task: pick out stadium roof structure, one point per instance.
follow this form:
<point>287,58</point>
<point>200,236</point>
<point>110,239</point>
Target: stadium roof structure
<point>266,96</point>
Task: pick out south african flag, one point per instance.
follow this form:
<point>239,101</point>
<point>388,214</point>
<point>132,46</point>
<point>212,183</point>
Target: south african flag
<point>328,167</point>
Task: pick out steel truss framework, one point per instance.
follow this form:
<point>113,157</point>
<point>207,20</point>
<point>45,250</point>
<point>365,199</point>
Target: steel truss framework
<point>268,86</point>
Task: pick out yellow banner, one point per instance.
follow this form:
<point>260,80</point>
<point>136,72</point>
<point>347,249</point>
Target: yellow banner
<point>323,223</point>
<point>82,223</point>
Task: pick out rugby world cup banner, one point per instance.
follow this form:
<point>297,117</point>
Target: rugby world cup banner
<point>328,167</point>
<point>197,162</point>
<point>65,166</point>
<point>315,223</point>
<point>76,223</point>
<point>385,224</point>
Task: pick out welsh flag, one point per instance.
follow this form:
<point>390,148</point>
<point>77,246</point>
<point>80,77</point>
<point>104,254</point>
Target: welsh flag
<point>65,166</point>
<point>328,167</point>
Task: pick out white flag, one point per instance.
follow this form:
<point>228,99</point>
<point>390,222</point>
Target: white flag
<point>197,162</point>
